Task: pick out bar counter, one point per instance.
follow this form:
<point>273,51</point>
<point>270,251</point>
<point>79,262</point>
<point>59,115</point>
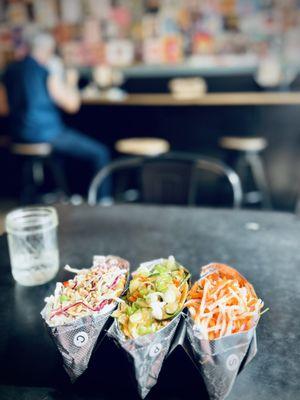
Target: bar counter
<point>210,99</point>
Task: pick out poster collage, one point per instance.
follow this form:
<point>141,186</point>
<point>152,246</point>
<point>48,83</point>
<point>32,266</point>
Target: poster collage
<point>123,33</point>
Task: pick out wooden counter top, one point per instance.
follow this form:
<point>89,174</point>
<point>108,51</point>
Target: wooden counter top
<point>211,99</point>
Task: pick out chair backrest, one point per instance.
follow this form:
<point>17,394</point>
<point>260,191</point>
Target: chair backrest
<point>166,181</point>
<point>170,178</point>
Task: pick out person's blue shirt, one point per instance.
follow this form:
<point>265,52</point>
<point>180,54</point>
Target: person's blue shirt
<point>34,116</point>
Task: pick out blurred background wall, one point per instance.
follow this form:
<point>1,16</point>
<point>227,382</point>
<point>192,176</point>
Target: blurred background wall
<point>126,32</point>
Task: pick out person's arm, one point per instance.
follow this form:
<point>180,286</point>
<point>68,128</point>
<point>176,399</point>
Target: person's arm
<point>65,94</point>
<point>4,108</point>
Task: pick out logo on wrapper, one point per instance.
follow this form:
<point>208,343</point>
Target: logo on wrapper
<point>232,362</point>
<point>80,339</point>
<point>155,350</point>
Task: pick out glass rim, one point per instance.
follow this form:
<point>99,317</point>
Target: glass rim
<point>39,218</point>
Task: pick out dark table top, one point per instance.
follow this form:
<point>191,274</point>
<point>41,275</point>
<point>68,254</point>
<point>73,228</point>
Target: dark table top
<point>269,257</point>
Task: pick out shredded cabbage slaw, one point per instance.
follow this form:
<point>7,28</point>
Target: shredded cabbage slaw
<point>222,302</point>
<point>92,291</point>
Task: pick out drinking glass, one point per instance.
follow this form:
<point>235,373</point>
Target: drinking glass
<point>32,240</point>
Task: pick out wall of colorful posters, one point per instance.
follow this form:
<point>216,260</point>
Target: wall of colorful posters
<point>127,32</point>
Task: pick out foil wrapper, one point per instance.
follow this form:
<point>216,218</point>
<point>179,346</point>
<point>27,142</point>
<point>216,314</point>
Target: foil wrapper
<point>219,361</point>
<point>76,341</point>
<point>147,352</point>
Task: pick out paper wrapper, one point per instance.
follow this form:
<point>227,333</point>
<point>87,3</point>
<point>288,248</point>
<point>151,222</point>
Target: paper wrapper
<point>220,360</point>
<point>76,340</point>
<point>147,352</point>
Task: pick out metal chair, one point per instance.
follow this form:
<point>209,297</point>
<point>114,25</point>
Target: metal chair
<point>168,179</point>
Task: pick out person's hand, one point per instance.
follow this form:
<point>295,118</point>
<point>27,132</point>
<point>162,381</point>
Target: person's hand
<point>72,77</point>
<point>56,67</point>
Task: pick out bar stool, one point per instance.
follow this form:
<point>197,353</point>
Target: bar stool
<point>35,158</point>
<point>142,146</point>
<point>249,149</point>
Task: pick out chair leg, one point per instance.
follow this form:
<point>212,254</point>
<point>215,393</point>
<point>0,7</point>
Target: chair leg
<point>256,165</point>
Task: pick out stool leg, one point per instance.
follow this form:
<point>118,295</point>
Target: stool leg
<point>256,165</point>
<point>241,167</point>
<point>38,172</point>
<point>28,190</point>
<point>58,175</point>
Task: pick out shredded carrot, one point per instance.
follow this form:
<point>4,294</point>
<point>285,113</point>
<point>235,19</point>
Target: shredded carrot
<point>223,302</point>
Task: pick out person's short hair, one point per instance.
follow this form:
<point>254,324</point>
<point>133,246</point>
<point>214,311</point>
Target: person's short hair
<point>39,41</point>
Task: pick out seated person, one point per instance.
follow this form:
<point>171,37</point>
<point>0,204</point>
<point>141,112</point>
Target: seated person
<point>33,92</point>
